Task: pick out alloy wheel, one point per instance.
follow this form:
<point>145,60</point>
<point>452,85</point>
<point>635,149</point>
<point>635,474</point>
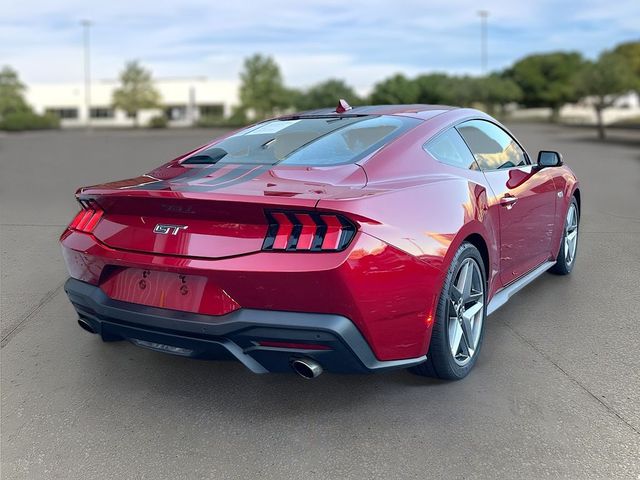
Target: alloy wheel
<point>571,234</point>
<point>466,312</point>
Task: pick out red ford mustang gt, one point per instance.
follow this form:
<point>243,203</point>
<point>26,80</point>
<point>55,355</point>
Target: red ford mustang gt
<point>348,240</point>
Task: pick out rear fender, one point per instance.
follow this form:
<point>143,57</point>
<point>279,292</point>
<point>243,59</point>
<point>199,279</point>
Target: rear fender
<point>428,221</point>
<point>475,227</point>
<point>565,182</point>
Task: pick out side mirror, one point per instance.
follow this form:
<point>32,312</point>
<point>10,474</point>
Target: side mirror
<point>547,158</point>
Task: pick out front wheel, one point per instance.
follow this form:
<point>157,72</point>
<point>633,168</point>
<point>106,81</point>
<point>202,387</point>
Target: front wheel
<point>569,246</point>
<point>458,330</point>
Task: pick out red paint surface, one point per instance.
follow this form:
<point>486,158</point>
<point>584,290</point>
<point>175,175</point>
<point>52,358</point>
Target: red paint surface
<point>189,293</point>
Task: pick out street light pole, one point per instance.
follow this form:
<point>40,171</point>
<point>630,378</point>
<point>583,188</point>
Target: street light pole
<point>86,25</point>
<point>484,14</point>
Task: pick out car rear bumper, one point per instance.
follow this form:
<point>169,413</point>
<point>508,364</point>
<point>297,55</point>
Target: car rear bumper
<point>386,293</point>
<point>236,335</point>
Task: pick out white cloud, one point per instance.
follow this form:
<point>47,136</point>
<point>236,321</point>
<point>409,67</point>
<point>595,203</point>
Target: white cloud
<point>360,41</point>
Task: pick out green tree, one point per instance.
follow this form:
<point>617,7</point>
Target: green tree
<point>11,93</point>
<point>394,90</point>
<point>439,88</point>
<point>136,92</point>
<point>630,53</point>
<point>261,86</point>
<point>548,80</point>
<point>605,80</point>
<point>326,94</point>
<point>465,91</point>
<point>296,98</point>
<point>435,88</point>
<point>496,92</point>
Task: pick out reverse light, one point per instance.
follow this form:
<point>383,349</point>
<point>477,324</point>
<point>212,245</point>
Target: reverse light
<point>307,232</point>
<point>87,218</point>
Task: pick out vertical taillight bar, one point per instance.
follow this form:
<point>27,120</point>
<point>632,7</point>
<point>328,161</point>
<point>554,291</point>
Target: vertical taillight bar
<point>307,231</point>
<point>87,219</point>
<point>334,231</point>
<point>93,221</point>
<point>285,227</point>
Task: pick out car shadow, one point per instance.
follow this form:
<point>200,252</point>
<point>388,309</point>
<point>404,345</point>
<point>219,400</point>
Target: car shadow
<point>226,385</point>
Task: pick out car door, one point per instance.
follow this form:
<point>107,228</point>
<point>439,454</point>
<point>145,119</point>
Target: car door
<point>523,195</point>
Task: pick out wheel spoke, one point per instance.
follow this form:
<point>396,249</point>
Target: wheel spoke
<point>462,277</point>
<point>465,350</point>
<point>475,296</point>
<point>455,294</point>
<point>468,281</point>
<point>472,311</point>
<point>467,333</point>
<point>455,334</point>
<point>572,247</point>
<point>570,218</point>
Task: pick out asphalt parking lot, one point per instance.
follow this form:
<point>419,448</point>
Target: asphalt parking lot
<point>555,393</point>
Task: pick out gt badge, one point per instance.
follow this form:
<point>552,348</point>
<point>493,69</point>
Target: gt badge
<point>164,229</point>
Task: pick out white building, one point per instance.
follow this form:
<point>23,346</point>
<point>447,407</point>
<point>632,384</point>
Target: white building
<point>626,107</point>
<point>184,101</point>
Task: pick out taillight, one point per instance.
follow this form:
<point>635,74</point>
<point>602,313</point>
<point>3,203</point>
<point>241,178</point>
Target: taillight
<point>307,231</point>
<point>87,218</point>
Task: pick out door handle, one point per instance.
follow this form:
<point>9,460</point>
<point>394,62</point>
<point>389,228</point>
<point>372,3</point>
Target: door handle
<point>508,201</point>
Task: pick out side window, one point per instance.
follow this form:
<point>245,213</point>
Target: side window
<point>449,148</point>
<point>492,147</point>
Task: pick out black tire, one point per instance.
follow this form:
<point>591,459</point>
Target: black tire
<point>440,361</point>
<point>564,266</point>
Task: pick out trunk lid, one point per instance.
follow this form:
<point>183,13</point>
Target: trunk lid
<point>209,212</point>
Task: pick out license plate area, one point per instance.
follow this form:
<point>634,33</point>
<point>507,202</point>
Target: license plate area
<point>175,291</point>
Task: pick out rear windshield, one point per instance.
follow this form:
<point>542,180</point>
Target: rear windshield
<point>306,141</point>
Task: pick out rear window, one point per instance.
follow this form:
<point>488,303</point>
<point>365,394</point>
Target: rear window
<point>306,141</point>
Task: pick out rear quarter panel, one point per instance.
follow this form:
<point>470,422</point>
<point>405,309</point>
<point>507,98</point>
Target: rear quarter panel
<point>428,221</point>
<point>565,181</point>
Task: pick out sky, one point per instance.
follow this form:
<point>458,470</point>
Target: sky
<point>360,41</point>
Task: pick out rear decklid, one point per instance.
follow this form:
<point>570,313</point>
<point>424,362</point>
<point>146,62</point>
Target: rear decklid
<point>211,203</point>
<point>209,211</point>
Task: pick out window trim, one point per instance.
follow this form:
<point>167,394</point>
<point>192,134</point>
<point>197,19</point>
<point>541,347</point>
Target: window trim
<point>526,154</point>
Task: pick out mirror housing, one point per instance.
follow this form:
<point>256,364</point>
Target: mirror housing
<point>549,158</point>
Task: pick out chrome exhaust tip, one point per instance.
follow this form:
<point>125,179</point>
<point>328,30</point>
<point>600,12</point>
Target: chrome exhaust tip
<point>306,368</point>
<point>86,325</point>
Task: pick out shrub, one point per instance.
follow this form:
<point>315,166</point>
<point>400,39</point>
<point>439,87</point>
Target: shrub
<point>159,121</point>
<point>19,121</point>
<point>211,122</point>
<point>221,122</point>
